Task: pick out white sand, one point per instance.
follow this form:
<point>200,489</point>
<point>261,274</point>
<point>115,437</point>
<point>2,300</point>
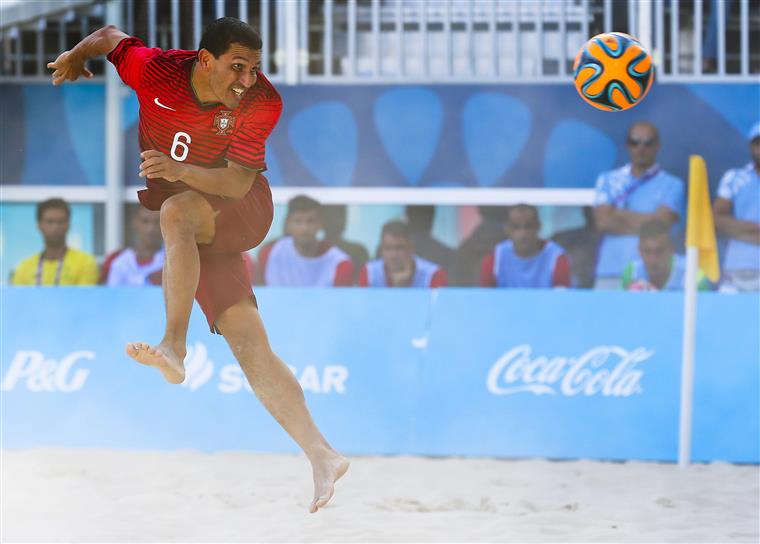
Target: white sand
<point>96,495</point>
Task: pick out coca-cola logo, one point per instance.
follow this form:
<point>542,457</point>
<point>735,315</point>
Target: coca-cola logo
<point>610,371</point>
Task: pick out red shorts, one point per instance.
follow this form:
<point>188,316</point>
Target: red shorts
<point>241,225</point>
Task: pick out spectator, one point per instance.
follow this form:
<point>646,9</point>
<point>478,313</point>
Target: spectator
<point>657,268</point>
<point>334,220</point>
<point>580,245</point>
<point>398,266</point>
<point>139,265</point>
<point>630,196</point>
<point>300,259</point>
<point>420,220</point>
<point>481,242</point>
<point>57,264</point>
<point>525,260</point>
<point>737,217</point>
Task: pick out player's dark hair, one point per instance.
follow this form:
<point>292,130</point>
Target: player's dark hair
<point>524,208</point>
<point>303,203</point>
<point>222,33</point>
<point>398,229</point>
<point>52,204</point>
<point>654,228</point>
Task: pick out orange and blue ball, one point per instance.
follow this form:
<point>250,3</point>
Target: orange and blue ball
<point>613,71</point>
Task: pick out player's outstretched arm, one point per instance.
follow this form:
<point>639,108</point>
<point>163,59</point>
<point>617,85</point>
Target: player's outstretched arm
<point>69,66</point>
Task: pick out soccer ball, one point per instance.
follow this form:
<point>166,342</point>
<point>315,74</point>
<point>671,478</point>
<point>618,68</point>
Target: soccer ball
<point>613,71</point>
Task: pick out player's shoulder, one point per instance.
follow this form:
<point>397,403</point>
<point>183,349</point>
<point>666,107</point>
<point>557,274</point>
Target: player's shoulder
<point>111,257</point>
<point>553,247</point>
<point>176,56</point>
<point>614,175</point>
<point>736,174</point>
<point>668,177</point>
<point>80,256</point>
<point>734,180</point>
<point>426,264</point>
<point>263,94</point>
<point>28,262</point>
<point>122,256</point>
<point>335,252</point>
<point>504,245</point>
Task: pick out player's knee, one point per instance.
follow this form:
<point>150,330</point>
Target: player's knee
<point>175,216</point>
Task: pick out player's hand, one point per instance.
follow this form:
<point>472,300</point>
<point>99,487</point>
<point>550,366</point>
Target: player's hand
<point>68,67</point>
<point>157,165</point>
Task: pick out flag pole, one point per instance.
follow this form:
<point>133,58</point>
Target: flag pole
<point>702,252</point>
<point>687,360</point>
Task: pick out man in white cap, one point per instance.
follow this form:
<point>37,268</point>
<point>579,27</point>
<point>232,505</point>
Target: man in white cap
<point>737,217</point>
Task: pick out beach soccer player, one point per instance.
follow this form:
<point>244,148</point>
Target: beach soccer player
<point>204,119</point>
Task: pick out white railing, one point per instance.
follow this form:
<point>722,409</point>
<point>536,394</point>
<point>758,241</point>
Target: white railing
<point>442,40</point>
<point>32,38</point>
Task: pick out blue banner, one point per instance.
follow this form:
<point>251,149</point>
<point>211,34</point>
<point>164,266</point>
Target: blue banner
<point>557,374</point>
<point>404,136</point>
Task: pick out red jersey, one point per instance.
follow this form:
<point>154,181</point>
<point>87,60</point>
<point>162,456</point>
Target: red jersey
<point>173,120</point>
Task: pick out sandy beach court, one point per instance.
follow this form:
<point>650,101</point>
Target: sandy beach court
<point>188,496</point>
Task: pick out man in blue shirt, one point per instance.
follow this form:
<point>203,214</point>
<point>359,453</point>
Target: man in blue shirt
<point>737,217</point>
<point>630,196</point>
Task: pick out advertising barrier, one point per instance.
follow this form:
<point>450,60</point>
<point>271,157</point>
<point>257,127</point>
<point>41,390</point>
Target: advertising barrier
<point>558,374</point>
<point>518,135</point>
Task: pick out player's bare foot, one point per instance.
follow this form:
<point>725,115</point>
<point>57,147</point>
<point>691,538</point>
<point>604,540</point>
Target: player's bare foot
<point>161,357</point>
<point>328,469</point>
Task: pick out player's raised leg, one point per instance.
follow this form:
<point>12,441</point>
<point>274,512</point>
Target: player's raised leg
<point>279,391</point>
<point>187,219</point>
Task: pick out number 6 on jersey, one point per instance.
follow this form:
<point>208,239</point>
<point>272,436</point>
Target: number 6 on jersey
<point>180,144</point>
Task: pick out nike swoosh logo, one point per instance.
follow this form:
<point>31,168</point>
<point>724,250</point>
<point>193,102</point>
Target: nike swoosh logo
<point>160,104</point>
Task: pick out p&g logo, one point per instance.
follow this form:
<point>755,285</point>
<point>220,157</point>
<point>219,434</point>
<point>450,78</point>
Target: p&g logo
<point>32,370</point>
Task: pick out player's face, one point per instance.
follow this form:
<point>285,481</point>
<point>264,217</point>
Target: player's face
<point>396,252</point>
<point>643,146</point>
<point>54,224</point>
<point>147,227</point>
<point>233,73</point>
<point>522,228</point>
<point>754,148</point>
<point>656,253</point>
<point>303,227</point>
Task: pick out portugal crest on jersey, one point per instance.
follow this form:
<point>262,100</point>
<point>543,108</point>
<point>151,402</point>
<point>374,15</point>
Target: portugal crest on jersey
<point>223,122</point>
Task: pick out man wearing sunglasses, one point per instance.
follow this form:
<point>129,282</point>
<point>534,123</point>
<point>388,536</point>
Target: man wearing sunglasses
<point>630,196</point>
<point>737,217</point>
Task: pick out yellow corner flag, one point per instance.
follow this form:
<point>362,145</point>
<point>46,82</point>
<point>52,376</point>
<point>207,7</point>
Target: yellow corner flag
<point>700,229</point>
